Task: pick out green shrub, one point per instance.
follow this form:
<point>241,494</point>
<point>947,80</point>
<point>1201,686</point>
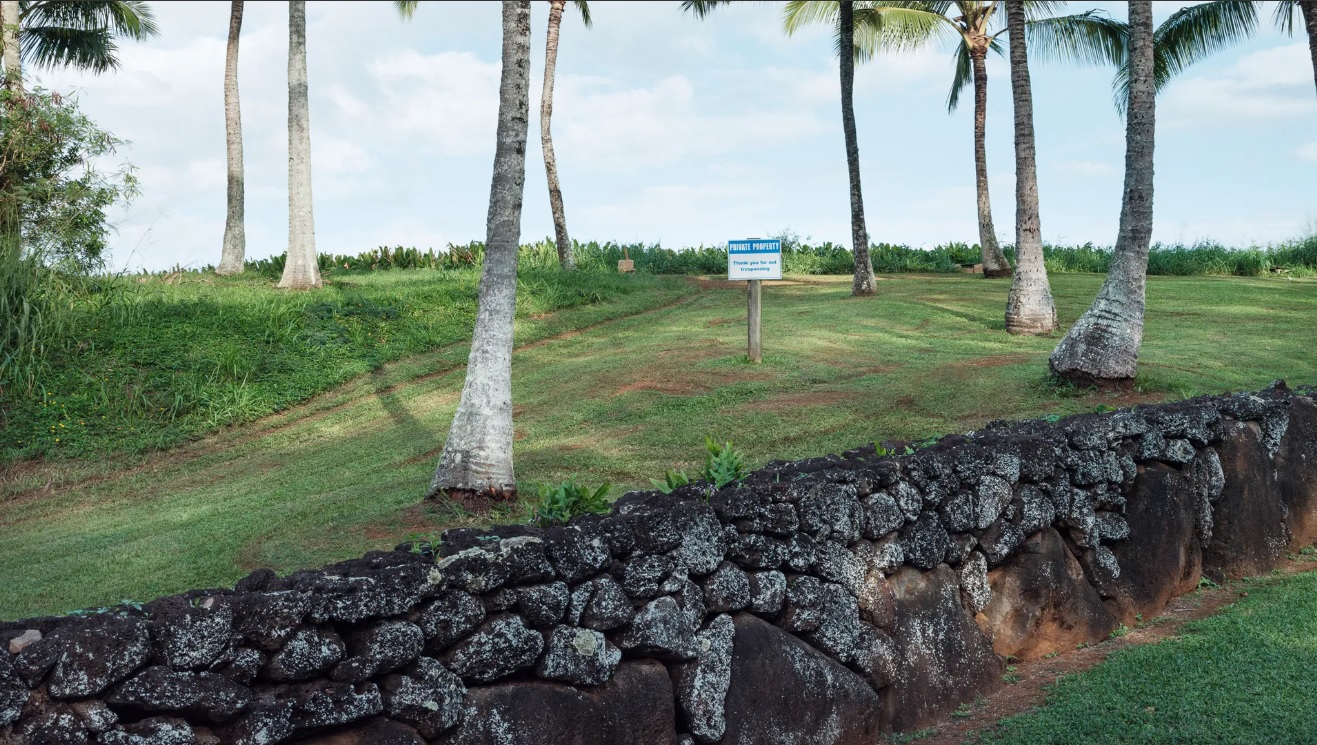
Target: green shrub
<point>723,464</point>
<point>558,503</point>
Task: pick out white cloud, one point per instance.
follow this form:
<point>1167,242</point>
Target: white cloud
<point>1270,84</point>
<point>449,99</point>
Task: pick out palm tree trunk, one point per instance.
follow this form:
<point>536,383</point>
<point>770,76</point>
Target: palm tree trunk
<point>994,261</point>
<point>235,237</point>
<point>864,282</point>
<point>10,225</point>
<point>1103,345</point>
<point>9,17</point>
<point>301,270</point>
<point>1029,307</point>
<point>476,464</point>
<point>565,257</point>
<point>1309,10</point>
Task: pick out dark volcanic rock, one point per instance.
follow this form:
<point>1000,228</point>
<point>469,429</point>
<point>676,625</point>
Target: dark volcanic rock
<point>945,659</point>
<point>814,700</point>
<point>543,606</point>
<point>727,589</point>
<point>1162,557</point>
<point>501,646</point>
<point>13,693</point>
<point>576,551</point>
<point>881,515</point>
<point>1249,535</point>
<point>310,652</point>
<point>578,656</point>
<point>428,697</point>
<point>152,731</point>
<point>702,543</point>
<point>608,607</point>
<point>88,656</point>
<point>755,551</point>
<point>643,574</point>
<point>661,630</point>
<point>635,707</point>
<point>768,590</point>
<point>324,705</point>
<point>162,689</point>
<point>375,731</point>
<point>191,636</point>
<point>381,647</point>
<point>1041,602</point>
<point>448,618</point>
<point>269,619</point>
<point>925,542</point>
<point>1296,472</point>
<point>266,722</point>
<point>701,685</point>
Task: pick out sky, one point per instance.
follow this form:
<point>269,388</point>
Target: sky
<point>671,129</point>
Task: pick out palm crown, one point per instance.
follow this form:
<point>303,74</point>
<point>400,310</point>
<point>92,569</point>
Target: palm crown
<point>80,33</point>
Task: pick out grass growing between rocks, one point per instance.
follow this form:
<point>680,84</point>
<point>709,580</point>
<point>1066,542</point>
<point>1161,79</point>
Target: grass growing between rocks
<point>620,400</point>
<point>1241,676</point>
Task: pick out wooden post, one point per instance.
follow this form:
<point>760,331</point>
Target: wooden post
<point>753,293</point>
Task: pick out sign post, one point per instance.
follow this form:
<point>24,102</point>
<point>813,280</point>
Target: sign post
<point>754,260</point>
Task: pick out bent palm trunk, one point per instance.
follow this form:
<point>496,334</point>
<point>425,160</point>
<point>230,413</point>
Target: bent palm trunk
<point>235,238</point>
<point>863,282</point>
<point>1029,307</point>
<point>301,270</point>
<point>476,463</point>
<point>1103,345</point>
<point>565,257</point>
<point>994,261</point>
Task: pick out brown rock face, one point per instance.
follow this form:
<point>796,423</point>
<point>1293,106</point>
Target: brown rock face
<point>1162,558</point>
<point>1042,603</point>
<point>1249,535</point>
<point>812,699</point>
<point>945,658</point>
<point>634,708</point>
<point>1296,472</point>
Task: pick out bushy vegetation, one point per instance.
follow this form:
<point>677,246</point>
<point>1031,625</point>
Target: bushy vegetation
<point>149,362</point>
<point>1296,258</point>
<point>558,503</point>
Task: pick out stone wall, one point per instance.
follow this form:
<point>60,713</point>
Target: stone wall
<point>820,601</point>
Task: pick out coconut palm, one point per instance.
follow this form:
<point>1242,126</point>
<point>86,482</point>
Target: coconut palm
<point>556,7</point>
<point>9,24</point>
<point>72,33</point>
<point>1103,345</point>
<point>235,237</point>
<point>476,463</point>
<point>301,268</point>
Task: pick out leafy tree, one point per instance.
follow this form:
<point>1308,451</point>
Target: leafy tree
<point>564,241</point>
<point>301,270</point>
<point>1103,345</point>
<point>235,233</point>
<point>477,456</point>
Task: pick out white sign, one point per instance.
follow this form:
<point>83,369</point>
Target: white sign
<point>754,259</point>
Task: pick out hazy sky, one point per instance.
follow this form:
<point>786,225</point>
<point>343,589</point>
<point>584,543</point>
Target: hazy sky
<point>672,129</point>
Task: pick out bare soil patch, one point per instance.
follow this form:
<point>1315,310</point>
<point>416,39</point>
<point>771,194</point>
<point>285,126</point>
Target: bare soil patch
<point>790,401</point>
<point>1037,676</point>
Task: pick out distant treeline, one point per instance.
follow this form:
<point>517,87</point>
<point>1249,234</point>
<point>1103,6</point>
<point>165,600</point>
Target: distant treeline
<point>1297,258</point>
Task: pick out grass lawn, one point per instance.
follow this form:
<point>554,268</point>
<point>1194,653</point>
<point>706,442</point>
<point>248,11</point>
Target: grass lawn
<point>1242,676</point>
<point>631,394</point>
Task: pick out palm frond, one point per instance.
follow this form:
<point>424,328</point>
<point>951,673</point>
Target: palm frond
<point>1198,31</point>
<point>53,46</point>
<point>1284,16</point>
<point>1038,9</point>
<point>131,18</point>
<point>583,7</point>
<point>891,26</point>
<point>1090,38</point>
<point>795,15</point>
<point>964,75</point>
<point>701,8</point>
<point>405,8</point>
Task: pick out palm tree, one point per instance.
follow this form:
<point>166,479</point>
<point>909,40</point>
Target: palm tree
<point>1103,345</point>
<point>1029,307</point>
<point>476,463</point>
<point>301,269</point>
<point>235,237</point>
<point>9,24</point>
<point>1285,21</point>
<point>843,16</point>
<point>565,257</point>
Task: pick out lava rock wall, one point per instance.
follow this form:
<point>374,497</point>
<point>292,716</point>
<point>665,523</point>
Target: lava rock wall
<point>820,601</point>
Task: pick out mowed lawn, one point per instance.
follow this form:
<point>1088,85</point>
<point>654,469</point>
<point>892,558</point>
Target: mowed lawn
<point>618,401</point>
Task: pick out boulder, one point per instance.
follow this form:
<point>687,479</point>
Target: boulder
<point>448,618</point>
<point>661,630</point>
<point>501,646</point>
<point>1296,472</point>
<point>811,699</point>
<point>161,689</point>
<point>1162,557</point>
<point>427,697</point>
<point>381,647</point>
<point>945,659</point>
<point>635,707</point>
<point>190,635</point>
<point>701,685</point>
<point>311,651</point>
<point>1042,603</point>
<point>152,731</point>
<point>578,656</point>
<point>1249,536</point>
<point>87,656</point>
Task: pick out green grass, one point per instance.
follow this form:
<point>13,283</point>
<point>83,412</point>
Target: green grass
<point>1241,676</point>
<point>149,365</point>
<point>620,402</point>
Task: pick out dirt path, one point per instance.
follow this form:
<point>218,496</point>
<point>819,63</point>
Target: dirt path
<point>1037,676</point>
<point>68,475</point>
